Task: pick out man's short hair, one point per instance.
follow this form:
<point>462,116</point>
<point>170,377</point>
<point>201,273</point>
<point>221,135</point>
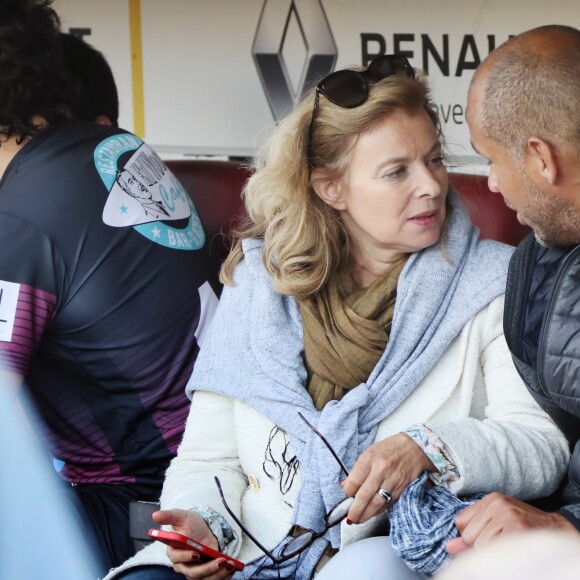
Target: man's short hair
<point>533,89</point>
<point>97,91</point>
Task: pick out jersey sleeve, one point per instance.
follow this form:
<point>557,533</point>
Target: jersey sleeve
<point>31,279</point>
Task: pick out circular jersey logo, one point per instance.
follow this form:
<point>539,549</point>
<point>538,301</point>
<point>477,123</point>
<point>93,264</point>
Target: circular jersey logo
<point>145,195</point>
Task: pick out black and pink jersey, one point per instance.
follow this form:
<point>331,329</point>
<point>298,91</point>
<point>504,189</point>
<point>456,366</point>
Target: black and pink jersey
<point>106,290</point>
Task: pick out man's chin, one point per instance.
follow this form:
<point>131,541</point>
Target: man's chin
<point>550,242</point>
<point>543,241</point>
<point>522,219</point>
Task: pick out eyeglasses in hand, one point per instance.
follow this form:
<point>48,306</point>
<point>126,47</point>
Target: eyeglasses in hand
<point>306,537</point>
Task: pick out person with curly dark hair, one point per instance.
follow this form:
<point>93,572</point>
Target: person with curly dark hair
<point>35,91</point>
<point>103,303</point>
<point>97,99</point>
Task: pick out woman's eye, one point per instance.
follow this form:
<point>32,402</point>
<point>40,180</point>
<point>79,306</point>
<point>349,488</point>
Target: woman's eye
<point>438,160</point>
<point>396,172</point>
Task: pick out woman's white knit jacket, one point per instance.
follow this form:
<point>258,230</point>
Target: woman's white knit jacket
<point>498,437</point>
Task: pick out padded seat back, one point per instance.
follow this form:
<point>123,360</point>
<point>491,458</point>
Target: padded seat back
<point>488,211</point>
<point>215,188</point>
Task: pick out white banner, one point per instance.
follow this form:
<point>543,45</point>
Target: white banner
<point>217,73</point>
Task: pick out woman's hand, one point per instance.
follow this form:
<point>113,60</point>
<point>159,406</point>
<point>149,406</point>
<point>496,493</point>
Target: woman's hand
<point>186,562</point>
<point>390,464</point>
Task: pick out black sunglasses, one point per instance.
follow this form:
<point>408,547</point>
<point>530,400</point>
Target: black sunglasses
<point>350,88</point>
<point>304,539</point>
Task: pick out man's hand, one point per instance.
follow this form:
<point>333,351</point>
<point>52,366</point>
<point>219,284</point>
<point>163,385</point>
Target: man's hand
<point>498,514</point>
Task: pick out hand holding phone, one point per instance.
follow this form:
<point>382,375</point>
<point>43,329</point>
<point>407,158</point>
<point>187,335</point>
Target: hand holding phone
<point>181,542</point>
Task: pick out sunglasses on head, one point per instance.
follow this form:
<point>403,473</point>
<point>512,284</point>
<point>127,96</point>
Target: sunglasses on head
<point>305,538</point>
<point>350,88</point>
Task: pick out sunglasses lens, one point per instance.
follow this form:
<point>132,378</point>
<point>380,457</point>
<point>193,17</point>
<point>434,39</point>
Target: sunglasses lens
<point>345,88</point>
<point>297,544</point>
<point>339,512</point>
<point>390,65</point>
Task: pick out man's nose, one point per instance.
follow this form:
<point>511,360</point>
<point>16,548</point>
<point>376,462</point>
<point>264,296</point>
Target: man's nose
<point>492,182</point>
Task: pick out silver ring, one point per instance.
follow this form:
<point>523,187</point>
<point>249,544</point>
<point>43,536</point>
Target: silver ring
<point>385,495</point>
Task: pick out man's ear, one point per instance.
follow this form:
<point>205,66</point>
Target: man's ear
<point>542,160</point>
<point>103,120</point>
<point>328,190</point>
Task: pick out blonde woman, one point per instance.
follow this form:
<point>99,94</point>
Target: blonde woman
<point>358,344</point>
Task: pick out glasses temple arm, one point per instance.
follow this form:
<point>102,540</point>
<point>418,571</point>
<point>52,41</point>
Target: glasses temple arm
<point>237,520</point>
<point>311,129</point>
<point>328,446</point>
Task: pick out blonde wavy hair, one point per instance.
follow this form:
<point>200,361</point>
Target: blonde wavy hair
<point>304,238</point>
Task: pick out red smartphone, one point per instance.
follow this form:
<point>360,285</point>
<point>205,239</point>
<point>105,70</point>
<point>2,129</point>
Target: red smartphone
<point>182,542</point>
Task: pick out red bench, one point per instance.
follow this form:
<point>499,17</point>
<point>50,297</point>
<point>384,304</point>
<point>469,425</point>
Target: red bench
<point>215,188</point>
<point>495,220</point>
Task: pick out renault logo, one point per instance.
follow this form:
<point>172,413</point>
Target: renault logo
<point>306,22</point>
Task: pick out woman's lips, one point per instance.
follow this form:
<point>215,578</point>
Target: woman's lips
<point>424,219</point>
